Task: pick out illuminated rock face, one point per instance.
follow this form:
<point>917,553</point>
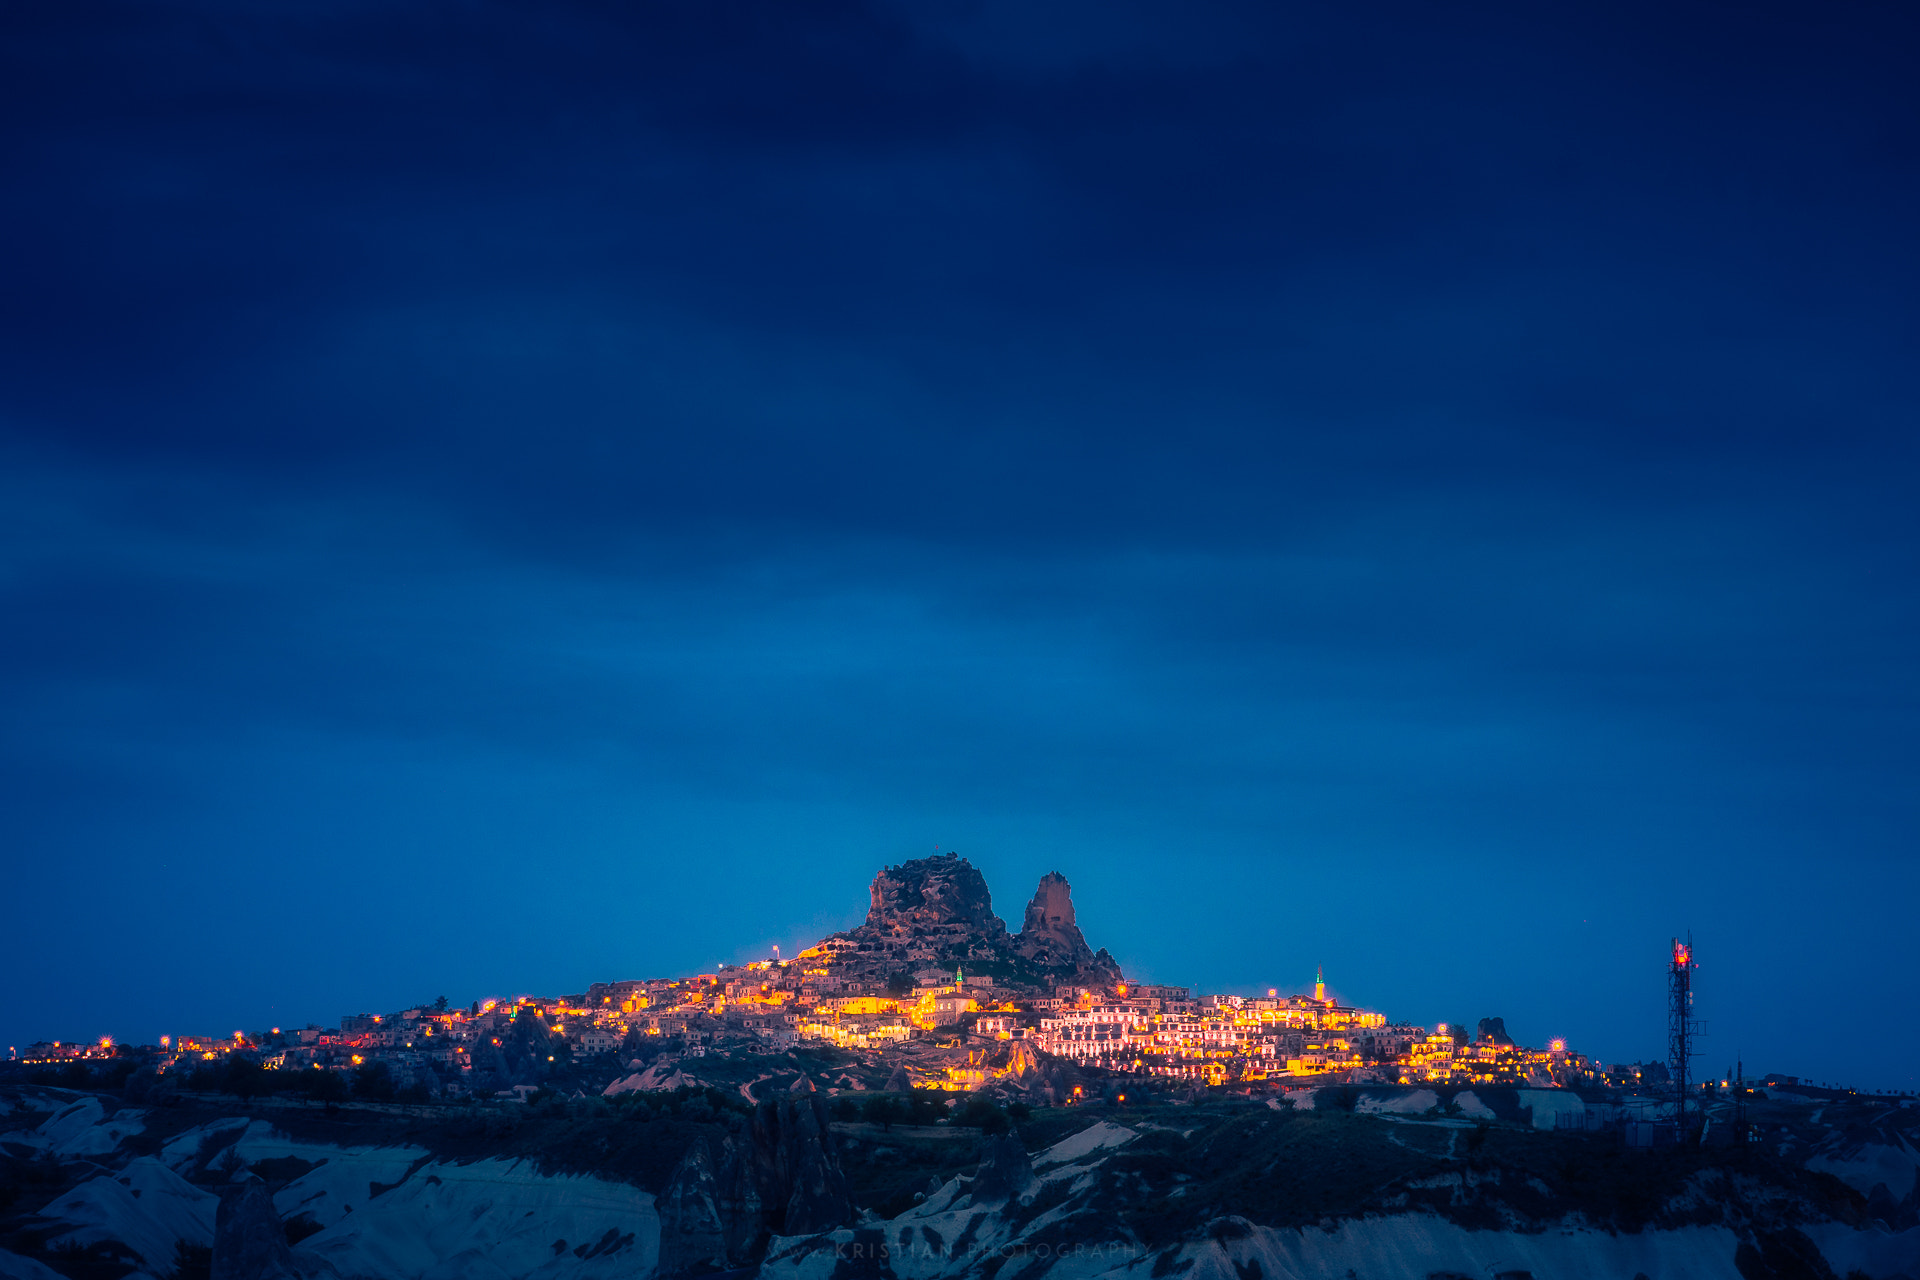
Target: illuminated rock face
<point>1051,911</point>
<point>936,913</point>
<point>929,895</point>
<point>1049,937</point>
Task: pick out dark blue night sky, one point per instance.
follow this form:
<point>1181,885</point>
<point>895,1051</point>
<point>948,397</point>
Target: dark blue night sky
<point>494,497</point>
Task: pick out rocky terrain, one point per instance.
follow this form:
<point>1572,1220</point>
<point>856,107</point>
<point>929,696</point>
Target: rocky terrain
<point>800,1178</point>
<point>1050,939</point>
<point>937,913</point>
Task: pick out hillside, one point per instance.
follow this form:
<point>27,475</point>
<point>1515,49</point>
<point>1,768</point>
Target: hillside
<point>806,1184</point>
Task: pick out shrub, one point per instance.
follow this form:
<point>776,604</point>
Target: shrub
<point>979,1112</point>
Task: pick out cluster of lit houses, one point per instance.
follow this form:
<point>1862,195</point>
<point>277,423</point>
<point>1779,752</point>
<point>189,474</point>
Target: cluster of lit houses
<point>772,1005</point>
<point>1160,1030</point>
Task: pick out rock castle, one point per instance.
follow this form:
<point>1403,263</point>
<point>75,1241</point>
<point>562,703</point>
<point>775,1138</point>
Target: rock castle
<point>936,914</point>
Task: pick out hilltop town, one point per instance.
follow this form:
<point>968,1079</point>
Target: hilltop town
<point>928,1096</point>
<point>932,990</point>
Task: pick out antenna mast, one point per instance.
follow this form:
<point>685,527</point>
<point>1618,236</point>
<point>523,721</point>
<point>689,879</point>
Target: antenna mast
<point>1682,1026</point>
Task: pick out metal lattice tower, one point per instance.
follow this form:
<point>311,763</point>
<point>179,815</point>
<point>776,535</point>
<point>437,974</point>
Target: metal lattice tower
<point>1682,1026</point>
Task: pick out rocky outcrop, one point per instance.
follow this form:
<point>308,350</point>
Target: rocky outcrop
<point>743,1214</point>
<point>1005,1172</point>
<point>1493,1031</point>
<point>1023,1060</point>
<point>941,894</point>
<point>928,914</point>
<point>934,915</point>
<point>780,1176</point>
<point>693,1237</point>
<point>797,1168</point>
<point>1050,914</point>
<point>1050,939</point>
<point>248,1241</point>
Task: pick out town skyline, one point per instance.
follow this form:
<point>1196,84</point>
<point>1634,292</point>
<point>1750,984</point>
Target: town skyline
<point>1040,1006</point>
<point>1110,983</point>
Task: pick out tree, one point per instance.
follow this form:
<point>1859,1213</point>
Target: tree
<point>924,1106</point>
<point>883,1109</point>
<point>243,1077</point>
<point>1344,1098</point>
<point>374,1082</point>
<point>979,1112</point>
<point>140,1085</point>
<point>326,1086</point>
<point>440,1005</point>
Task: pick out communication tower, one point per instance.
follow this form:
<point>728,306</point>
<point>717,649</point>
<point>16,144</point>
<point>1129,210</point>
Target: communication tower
<point>1741,1134</point>
<point>1682,1026</point>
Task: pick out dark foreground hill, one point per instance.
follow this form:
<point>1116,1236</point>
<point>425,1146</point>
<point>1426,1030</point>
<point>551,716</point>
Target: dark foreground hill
<point>799,1184</point>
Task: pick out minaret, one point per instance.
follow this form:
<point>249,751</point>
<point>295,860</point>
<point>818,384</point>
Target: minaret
<point>1319,983</point>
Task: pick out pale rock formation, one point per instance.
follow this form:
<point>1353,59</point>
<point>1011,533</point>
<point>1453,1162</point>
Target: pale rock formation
<point>1050,938</point>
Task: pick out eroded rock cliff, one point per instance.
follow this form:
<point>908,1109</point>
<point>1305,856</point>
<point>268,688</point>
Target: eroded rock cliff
<point>781,1176</point>
<point>937,914</point>
<point>941,894</point>
<point>1051,939</point>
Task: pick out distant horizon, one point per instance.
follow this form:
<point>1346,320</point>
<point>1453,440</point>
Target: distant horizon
<point>792,950</point>
<point>494,497</point>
